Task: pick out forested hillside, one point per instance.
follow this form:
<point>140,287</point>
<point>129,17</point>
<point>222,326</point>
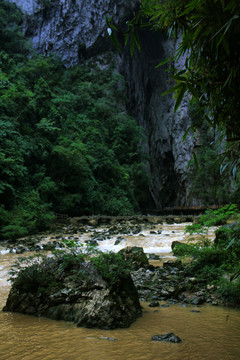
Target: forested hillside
<point>68,145</point>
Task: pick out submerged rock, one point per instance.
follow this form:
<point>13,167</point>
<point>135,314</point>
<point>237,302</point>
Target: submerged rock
<point>78,293</point>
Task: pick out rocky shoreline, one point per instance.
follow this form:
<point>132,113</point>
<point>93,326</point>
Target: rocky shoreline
<point>170,283</point>
<point>158,285</point>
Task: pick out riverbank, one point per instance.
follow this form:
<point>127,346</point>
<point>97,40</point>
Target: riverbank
<point>207,331</point>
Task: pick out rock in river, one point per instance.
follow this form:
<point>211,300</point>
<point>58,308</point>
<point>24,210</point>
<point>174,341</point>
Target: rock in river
<point>168,337</point>
<point>78,293</point>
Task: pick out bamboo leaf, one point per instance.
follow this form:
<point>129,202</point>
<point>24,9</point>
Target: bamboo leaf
<point>115,41</point>
<point>126,38</point>
<point>193,91</point>
<point>137,41</point>
<point>223,168</point>
<point>234,171</point>
<point>162,63</point>
<point>186,133</point>
<point>132,43</point>
<point>179,98</point>
<point>172,89</point>
<point>196,162</point>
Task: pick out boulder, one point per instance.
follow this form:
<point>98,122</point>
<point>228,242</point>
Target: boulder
<point>78,293</point>
<point>136,256</point>
<point>168,337</point>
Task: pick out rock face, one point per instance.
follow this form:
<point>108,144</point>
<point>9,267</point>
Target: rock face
<point>76,30</point>
<point>73,29</point>
<point>89,300</point>
<point>163,127</point>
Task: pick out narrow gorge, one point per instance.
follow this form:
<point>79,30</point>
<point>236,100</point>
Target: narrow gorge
<point>77,31</point>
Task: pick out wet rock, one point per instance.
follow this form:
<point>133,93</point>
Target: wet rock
<point>168,337</point>
<point>179,220</point>
<point>136,256</point>
<point>155,220</point>
<point>172,263</point>
<point>93,222</point>
<point>165,294</point>
<point>50,246</point>
<point>170,220</point>
<point>153,257</point>
<point>20,250</point>
<point>197,300</point>
<point>154,304</point>
<point>164,305</point>
<point>91,242</point>
<point>172,301</point>
<point>137,230</point>
<point>193,280</point>
<point>118,241</point>
<point>89,300</point>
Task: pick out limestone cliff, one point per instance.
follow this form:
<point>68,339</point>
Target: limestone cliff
<point>76,30</point>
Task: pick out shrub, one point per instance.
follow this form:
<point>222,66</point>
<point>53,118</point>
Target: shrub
<point>112,266</point>
<point>213,218</point>
<point>41,274</point>
<point>229,291</point>
<point>186,249</point>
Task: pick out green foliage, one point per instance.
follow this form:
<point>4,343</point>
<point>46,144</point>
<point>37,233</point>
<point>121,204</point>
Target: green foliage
<point>31,216</point>
<point>41,274</point>
<point>67,144</point>
<point>186,249</point>
<point>214,218</point>
<point>28,274</point>
<point>205,167</point>
<point>208,257</point>
<point>13,45</point>
<point>229,291</point>
<point>219,262</point>
<point>112,266</point>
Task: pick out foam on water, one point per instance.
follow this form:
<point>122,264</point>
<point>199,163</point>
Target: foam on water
<point>4,251</point>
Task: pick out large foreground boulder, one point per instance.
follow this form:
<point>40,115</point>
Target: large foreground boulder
<point>77,292</point>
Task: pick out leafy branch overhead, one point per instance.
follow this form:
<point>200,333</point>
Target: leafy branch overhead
<point>208,36</point>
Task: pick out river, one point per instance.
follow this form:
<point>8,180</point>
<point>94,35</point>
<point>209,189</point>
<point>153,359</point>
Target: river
<point>207,332</point>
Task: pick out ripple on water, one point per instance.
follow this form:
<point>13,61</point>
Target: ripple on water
<point>213,333</point>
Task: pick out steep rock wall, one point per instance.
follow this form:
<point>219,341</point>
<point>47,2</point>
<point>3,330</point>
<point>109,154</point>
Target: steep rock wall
<point>164,129</point>
<point>76,30</point>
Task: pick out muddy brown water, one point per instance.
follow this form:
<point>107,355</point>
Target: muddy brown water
<point>212,333</point>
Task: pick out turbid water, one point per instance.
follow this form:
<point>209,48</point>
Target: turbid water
<point>212,333</point>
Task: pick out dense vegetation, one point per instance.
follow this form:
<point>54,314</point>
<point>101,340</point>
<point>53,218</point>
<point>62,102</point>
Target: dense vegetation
<point>44,274</point>
<point>68,145</point>
<point>208,166</point>
<point>218,263</point>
